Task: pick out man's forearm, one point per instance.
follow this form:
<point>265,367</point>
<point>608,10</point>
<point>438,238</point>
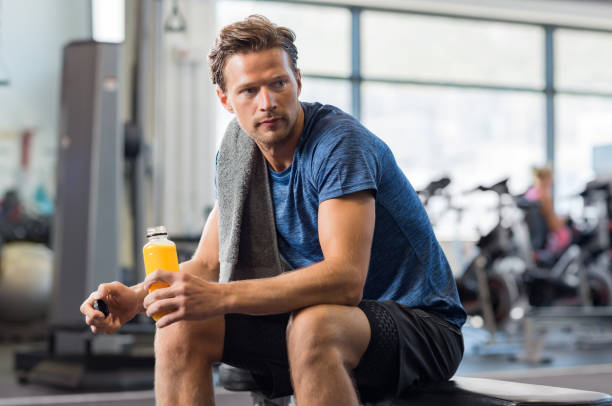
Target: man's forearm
<point>326,282</point>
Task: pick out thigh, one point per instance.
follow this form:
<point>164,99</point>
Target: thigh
<point>259,345</point>
<point>430,348</point>
<point>344,328</point>
<point>408,348</point>
<point>376,374</point>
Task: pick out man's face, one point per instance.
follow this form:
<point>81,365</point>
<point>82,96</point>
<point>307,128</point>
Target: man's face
<point>262,90</point>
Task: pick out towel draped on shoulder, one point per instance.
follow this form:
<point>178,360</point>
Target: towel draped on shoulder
<point>248,247</point>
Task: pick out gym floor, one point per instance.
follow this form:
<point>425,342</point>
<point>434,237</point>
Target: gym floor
<point>576,367</point>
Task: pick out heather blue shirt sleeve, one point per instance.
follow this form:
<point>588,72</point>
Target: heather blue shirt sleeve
<point>344,162</point>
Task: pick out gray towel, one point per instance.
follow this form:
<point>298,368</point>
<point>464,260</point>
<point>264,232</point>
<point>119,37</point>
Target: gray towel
<point>247,232</point>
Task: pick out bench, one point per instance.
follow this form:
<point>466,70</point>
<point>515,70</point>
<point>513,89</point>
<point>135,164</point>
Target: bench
<point>460,391</point>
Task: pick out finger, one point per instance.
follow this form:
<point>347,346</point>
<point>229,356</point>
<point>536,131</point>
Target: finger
<point>170,318</point>
<point>104,327</point>
<point>159,294</point>
<point>87,308</point>
<point>158,276</point>
<point>98,315</point>
<point>162,305</point>
<point>101,330</point>
<point>104,290</point>
<point>98,321</point>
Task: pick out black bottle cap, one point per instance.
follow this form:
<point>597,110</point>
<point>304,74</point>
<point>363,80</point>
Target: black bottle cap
<point>100,305</point>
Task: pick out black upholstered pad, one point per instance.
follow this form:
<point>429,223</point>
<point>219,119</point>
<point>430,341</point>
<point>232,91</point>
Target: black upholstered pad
<point>236,379</point>
<point>461,391</point>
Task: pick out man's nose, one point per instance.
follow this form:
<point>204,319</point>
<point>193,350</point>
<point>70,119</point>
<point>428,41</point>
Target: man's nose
<point>266,100</point>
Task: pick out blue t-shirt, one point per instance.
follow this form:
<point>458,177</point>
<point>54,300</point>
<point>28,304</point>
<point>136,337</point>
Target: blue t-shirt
<point>336,155</point>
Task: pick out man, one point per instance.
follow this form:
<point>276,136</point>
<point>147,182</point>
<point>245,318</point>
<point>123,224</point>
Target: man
<point>371,308</point>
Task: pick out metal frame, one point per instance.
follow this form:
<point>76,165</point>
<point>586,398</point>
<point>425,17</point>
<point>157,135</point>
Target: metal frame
<point>549,93</point>
<point>356,77</point>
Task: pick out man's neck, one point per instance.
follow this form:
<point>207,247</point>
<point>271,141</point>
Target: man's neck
<point>280,156</point>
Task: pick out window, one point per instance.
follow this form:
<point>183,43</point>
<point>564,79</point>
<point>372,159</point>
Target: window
<point>583,105</point>
<point>474,136</point>
<point>414,47</point>
<point>478,128</point>
<point>108,20</point>
<point>582,123</point>
<point>583,60</point>
<point>327,91</point>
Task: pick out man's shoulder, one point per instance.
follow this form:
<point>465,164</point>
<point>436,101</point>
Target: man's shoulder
<point>321,117</point>
<point>327,124</point>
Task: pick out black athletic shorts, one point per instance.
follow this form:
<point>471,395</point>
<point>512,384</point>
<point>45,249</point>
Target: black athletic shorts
<point>408,348</point>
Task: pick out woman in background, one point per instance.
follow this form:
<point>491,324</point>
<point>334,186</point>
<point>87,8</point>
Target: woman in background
<point>559,234</point>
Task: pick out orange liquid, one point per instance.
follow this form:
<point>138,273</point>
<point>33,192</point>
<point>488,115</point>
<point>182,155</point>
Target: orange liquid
<point>160,254</point>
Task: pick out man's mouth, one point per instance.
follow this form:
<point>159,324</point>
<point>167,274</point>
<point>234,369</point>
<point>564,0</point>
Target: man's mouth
<point>270,121</point>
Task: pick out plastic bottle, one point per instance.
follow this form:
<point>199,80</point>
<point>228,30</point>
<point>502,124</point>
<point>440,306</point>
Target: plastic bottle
<point>159,253</point>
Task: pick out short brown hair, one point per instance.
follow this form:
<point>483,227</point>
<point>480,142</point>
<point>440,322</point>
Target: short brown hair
<point>255,33</point>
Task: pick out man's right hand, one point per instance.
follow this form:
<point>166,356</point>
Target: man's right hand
<point>122,304</point>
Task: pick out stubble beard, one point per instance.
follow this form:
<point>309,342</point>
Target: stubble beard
<point>277,139</point>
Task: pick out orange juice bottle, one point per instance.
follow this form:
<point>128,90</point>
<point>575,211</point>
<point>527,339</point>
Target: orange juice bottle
<point>159,253</point>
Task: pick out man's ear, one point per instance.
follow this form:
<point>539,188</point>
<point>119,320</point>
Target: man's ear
<point>298,79</point>
<point>223,99</point>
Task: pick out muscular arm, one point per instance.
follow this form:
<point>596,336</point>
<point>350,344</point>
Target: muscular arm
<point>346,227</point>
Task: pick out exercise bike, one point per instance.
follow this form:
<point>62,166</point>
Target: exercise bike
<point>579,275</point>
<point>491,285</point>
<point>509,274</point>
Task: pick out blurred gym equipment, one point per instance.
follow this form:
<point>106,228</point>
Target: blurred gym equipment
<point>88,178</point>
<point>511,272</point>
<point>491,285</point>
<point>86,233</point>
<point>26,264</point>
<point>25,281</point>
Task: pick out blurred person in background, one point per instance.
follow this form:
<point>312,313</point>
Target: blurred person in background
<point>559,234</point>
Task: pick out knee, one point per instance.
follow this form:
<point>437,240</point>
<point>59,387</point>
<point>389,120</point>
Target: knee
<point>313,337</point>
<point>185,341</point>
